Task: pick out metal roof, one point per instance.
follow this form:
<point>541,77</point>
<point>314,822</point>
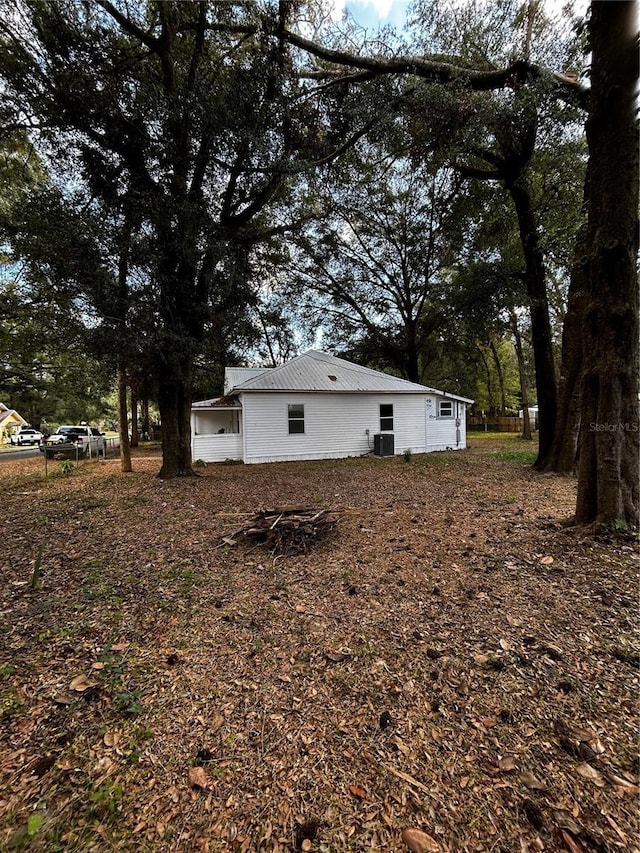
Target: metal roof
<point>227,402</point>
<point>317,371</point>
<point>237,375</point>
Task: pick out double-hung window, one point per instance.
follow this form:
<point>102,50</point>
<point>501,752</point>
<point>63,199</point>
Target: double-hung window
<point>445,408</point>
<point>295,413</point>
<point>386,417</point>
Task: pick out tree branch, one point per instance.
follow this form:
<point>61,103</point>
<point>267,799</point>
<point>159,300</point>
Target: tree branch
<point>436,70</point>
<point>128,25</point>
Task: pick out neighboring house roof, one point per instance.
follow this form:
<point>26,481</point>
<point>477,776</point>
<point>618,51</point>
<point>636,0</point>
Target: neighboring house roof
<point>10,416</point>
<point>320,372</point>
<point>237,375</point>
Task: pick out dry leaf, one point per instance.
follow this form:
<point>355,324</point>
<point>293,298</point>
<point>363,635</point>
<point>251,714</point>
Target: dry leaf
<point>81,683</point>
<point>527,778</point>
<point>507,764</point>
<point>402,746</point>
<point>590,773</point>
<point>111,738</point>
<point>546,561</point>
<point>306,844</point>
<point>300,608</point>
<point>631,787</point>
<point>419,842</point>
<point>565,821</point>
<point>198,778</point>
<point>464,782</point>
<point>357,792</point>
<point>572,846</point>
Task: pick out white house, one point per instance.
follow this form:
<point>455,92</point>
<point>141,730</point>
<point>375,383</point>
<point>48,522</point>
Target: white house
<point>317,406</point>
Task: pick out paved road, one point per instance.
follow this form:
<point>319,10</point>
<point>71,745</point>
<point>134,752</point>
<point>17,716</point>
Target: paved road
<point>25,452</point>
<point>19,453</point>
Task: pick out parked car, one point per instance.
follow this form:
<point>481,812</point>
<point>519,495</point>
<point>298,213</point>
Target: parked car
<point>76,441</point>
<point>27,436</point>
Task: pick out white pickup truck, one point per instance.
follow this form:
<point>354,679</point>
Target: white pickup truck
<point>74,442</point>
<point>26,436</point>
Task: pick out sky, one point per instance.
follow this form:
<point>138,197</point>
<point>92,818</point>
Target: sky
<point>373,14</point>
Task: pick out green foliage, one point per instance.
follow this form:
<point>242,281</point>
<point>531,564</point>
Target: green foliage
<point>106,798</point>
<point>66,467</point>
<point>35,576</point>
<point>33,824</point>
<point>407,455</point>
<point>128,702</point>
<point>521,457</point>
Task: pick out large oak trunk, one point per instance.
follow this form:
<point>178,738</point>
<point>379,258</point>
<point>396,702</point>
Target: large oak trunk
<point>174,402</point>
<point>123,417</point>
<point>608,491</point>
<point>541,339</point>
<point>564,449</point>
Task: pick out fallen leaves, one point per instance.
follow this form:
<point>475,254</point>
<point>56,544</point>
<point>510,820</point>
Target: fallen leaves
<point>358,793</point>
<point>199,778</point>
<point>419,842</point>
<point>590,773</point>
<point>406,674</point>
<point>531,781</point>
<point>81,683</point>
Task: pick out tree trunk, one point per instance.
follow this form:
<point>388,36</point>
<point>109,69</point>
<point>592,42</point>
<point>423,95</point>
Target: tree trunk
<point>564,449</point>
<point>122,305</point>
<point>541,339</point>
<point>608,490</point>
<point>487,370</point>
<point>135,432</point>
<point>125,448</point>
<point>174,402</point>
<point>499,371</point>
<point>146,426</point>
<point>522,373</point>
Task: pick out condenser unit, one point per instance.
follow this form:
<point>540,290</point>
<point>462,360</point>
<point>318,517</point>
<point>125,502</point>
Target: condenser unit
<point>383,444</point>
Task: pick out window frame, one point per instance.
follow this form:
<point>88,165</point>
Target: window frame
<point>385,417</point>
<point>292,419</point>
<point>449,403</point>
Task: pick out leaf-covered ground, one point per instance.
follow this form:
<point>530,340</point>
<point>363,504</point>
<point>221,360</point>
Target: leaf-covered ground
<point>450,659</point>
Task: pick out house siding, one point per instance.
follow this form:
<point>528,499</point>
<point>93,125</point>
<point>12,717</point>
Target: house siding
<point>217,448</point>
<point>442,433</point>
<point>335,425</point>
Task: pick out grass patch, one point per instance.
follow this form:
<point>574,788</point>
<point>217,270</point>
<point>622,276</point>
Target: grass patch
<point>520,457</point>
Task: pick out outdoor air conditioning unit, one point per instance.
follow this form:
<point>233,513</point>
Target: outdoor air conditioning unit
<point>383,444</point>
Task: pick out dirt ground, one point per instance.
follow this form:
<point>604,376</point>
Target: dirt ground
<point>449,659</point>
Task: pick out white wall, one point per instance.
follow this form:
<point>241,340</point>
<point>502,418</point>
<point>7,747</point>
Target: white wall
<point>216,448</point>
<point>442,433</point>
<point>207,442</point>
<point>335,425</point>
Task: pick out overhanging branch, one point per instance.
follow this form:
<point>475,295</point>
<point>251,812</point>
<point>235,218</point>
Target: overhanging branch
<point>438,71</point>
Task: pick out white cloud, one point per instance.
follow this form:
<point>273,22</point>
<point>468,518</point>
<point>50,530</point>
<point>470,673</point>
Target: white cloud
<point>381,8</point>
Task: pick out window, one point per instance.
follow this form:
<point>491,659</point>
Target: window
<point>296,418</point>
<point>386,417</point>
<point>445,408</point>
